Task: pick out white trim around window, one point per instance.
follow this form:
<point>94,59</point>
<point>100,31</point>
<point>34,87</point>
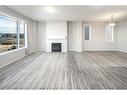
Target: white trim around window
<point>18,33</point>
<point>109,33</point>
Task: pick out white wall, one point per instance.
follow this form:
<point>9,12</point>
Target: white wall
<point>57,31</point>
<point>79,37</point>
<point>11,56</point>
<point>72,35</point>
<point>122,35</point>
<point>41,36</point>
<point>50,30</point>
<point>32,37</point>
<point>75,36</point>
<point>98,39</point>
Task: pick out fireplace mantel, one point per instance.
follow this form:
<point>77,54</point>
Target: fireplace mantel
<point>57,38</point>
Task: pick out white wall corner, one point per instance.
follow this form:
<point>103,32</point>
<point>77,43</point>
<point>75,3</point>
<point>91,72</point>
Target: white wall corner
<point>79,37</point>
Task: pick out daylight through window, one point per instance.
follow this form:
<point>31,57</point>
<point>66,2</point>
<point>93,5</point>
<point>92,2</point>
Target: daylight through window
<point>12,34</point>
<point>87,32</point>
<point>109,33</point>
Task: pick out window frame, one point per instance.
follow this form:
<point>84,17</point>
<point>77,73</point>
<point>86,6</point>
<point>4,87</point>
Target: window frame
<point>112,30</point>
<point>25,33</point>
<point>84,32</point>
<point>18,33</point>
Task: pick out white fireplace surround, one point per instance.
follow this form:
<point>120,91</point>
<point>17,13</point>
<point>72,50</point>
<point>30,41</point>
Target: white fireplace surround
<point>56,32</point>
<point>62,40</point>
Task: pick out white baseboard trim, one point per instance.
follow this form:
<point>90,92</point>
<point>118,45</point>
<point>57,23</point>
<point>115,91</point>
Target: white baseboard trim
<point>122,51</point>
<point>71,50</point>
<point>100,50</point>
<point>93,50</point>
<point>74,50</point>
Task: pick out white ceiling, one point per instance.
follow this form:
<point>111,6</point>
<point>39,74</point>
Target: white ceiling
<point>73,13</point>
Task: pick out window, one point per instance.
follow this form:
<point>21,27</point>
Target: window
<point>87,32</point>
<point>21,34</point>
<point>109,33</point>
<point>12,33</point>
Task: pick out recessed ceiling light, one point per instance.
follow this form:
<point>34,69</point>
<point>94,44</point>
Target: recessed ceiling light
<point>50,9</point>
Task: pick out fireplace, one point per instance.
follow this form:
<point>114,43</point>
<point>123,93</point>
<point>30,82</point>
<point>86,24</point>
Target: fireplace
<point>56,47</point>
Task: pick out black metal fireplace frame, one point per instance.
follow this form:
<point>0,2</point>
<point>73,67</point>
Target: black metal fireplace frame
<point>58,45</point>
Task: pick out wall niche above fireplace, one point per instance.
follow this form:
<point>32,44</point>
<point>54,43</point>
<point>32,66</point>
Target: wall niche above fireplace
<point>56,47</point>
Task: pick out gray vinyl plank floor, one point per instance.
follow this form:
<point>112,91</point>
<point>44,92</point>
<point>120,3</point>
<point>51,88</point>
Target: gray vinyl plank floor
<point>86,70</point>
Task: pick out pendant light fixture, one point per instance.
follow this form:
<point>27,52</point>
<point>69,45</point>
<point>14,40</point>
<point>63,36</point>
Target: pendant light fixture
<point>112,23</point>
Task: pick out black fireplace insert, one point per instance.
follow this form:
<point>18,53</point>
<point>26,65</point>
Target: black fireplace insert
<point>56,47</point>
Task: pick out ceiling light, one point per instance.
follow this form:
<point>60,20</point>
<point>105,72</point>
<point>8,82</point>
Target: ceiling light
<point>112,23</point>
<point>50,9</point>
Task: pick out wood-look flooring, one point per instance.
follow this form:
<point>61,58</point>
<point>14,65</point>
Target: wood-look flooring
<point>87,70</point>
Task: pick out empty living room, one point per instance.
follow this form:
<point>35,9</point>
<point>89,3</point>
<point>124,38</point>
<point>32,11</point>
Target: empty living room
<point>63,47</point>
